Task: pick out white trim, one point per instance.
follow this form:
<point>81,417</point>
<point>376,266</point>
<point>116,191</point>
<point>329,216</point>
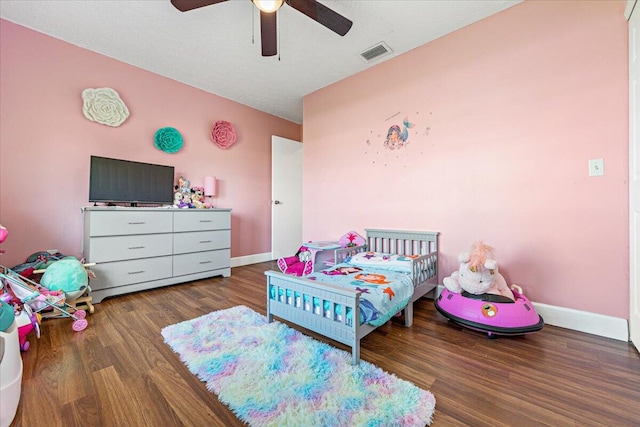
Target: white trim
<point>251,259</point>
<point>628,9</point>
<point>581,321</point>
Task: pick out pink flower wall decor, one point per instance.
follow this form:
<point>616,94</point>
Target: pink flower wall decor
<point>222,134</point>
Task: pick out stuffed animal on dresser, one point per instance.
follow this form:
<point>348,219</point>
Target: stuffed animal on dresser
<point>197,197</point>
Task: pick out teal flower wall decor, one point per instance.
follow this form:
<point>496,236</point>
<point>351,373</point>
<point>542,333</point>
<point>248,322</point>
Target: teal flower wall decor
<point>168,140</point>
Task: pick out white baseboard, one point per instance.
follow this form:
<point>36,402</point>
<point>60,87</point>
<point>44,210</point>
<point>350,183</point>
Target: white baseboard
<point>250,259</point>
<point>581,321</point>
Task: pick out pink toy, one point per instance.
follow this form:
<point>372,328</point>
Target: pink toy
<point>489,313</point>
<point>3,236</point>
<point>301,264</point>
<point>27,321</point>
<point>477,297</point>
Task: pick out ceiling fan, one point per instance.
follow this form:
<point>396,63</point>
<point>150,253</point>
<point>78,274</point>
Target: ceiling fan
<point>268,28</point>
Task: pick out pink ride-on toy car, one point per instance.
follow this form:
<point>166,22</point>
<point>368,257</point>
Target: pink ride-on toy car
<point>493,314</point>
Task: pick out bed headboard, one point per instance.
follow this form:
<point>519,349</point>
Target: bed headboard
<point>402,242</point>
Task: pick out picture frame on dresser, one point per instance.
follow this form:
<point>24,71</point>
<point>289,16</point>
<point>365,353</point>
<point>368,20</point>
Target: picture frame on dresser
<point>136,249</point>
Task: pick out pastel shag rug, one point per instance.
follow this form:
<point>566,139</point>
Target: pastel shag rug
<point>272,375</point>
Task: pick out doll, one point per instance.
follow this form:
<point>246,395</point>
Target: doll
<point>301,264</point>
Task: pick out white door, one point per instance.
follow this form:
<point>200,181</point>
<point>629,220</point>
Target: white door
<point>286,196</point>
<point>634,174</point>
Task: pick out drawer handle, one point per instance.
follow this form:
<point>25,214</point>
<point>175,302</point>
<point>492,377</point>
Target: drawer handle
<point>136,272</point>
<point>205,220</point>
<point>137,223</point>
<point>137,247</point>
<point>205,262</point>
<point>205,241</point>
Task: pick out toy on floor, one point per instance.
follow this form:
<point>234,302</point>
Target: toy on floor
<point>477,297</point>
<point>301,264</point>
<point>68,275</point>
<point>71,276</point>
<point>27,321</point>
<point>37,261</point>
<point>7,315</point>
<point>25,291</point>
<point>30,298</point>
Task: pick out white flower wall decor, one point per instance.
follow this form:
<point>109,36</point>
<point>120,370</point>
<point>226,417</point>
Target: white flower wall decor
<point>104,106</point>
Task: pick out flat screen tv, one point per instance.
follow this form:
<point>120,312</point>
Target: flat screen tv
<point>125,181</point>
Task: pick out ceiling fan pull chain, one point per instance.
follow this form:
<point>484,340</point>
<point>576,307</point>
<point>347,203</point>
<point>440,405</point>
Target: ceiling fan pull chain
<point>278,39</point>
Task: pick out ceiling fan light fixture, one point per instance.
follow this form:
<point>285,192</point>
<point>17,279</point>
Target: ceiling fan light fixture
<point>268,6</point>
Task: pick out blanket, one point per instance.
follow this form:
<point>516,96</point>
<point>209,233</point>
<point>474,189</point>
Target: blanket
<point>384,292</point>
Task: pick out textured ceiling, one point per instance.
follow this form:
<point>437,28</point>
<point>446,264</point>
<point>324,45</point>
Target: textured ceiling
<point>217,48</point>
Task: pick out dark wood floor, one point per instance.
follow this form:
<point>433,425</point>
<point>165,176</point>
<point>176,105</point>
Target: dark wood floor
<point>119,371</point>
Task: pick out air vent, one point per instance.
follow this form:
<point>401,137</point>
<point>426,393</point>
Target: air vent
<point>376,51</point>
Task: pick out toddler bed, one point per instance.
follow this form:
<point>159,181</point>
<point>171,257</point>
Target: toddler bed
<point>323,303</point>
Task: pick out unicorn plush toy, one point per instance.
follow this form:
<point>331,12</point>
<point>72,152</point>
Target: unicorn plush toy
<point>478,273</point>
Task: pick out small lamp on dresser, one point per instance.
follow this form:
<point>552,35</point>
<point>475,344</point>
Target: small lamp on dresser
<point>210,188</point>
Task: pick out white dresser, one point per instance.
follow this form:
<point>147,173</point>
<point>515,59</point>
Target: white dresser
<point>143,248</point>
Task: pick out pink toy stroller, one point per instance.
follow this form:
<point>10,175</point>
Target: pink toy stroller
<point>27,292</point>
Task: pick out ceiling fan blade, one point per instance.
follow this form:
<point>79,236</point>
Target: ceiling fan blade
<point>185,5</point>
<point>268,33</point>
<point>323,15</point>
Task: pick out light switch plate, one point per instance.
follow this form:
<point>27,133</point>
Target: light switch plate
<point>596,167</point>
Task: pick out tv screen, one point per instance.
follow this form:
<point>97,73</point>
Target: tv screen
<point>124,181</point>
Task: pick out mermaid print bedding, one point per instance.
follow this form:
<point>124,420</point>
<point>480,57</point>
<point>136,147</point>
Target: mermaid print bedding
<point>384,293</point>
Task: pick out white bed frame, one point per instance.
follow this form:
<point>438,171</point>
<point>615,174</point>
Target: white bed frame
<point>333,325</point>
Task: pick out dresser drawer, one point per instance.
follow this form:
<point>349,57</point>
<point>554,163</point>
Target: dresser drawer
<point>114,274</point>
<point>201,261</point>
<point>200,241</point>
<point>201,219</point>
<point>117,248</point>
<point>111,223</point>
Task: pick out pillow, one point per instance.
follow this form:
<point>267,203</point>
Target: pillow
<point>391,262</point>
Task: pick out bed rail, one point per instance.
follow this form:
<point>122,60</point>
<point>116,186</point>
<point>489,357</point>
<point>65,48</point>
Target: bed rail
<point>319,307</point>
<point>343,253</point>
<point>402,242</point>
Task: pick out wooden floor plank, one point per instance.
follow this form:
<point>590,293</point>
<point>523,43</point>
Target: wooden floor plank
<point>117,403</point>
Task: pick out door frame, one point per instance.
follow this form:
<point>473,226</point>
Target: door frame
<point>286,189</point>
<point>632,12</point>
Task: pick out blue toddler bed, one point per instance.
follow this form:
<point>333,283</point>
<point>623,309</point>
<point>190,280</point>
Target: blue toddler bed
<point>384,277</point>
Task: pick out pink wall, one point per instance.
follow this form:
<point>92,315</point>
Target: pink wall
<point>46,142</point>
<point>507,113</point>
